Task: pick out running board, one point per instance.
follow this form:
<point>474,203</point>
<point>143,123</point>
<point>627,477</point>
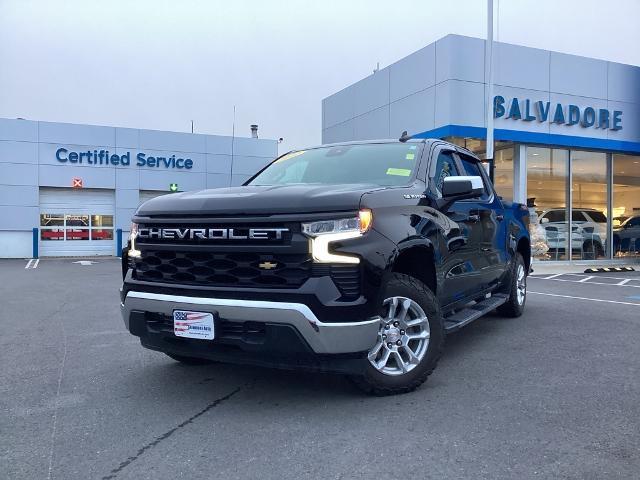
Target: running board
<point>469,314</point>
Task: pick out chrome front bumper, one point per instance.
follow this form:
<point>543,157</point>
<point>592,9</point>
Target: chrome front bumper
<point>322,337</point>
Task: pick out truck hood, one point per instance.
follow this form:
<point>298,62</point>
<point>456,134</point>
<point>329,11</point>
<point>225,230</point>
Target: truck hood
<point>258,200</point>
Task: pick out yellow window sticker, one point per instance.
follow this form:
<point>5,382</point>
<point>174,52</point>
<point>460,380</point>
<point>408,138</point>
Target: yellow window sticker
<point>411,156</point>
<point>290,155</point>
<point>402,172</point>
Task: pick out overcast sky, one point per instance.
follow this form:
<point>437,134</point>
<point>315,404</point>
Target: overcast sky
<point>160,64</point>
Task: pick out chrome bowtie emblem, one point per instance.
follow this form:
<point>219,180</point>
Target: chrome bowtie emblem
<point>267,265</point>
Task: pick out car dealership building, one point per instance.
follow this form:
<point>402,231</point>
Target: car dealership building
<point>567,131</point>
<point>70,190</point>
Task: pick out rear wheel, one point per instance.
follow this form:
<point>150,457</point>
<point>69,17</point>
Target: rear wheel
<point>592,250</point>
<point>517,289</point>
<point>410,339</point>
<point>189,360</point>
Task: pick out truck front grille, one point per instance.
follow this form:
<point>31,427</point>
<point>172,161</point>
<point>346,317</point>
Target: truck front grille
<point>223,269</point>
<point>248,270</point>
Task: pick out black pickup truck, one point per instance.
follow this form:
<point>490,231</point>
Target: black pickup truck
<point>354,258</point>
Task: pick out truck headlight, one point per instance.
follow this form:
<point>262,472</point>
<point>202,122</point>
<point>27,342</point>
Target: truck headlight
<point>133,251</point>
<point>323,232</point>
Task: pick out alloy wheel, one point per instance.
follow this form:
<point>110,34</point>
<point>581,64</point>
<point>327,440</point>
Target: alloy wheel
<point>403,338</point>
<point>521,285</point>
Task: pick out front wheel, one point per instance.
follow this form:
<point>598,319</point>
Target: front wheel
<point>592,250</point>
<point>514,306</point>
<point>410,339</point>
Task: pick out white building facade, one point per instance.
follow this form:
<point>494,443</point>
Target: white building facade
<point>70,190</point>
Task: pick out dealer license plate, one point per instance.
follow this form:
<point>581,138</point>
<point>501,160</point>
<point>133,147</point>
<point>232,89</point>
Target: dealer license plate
<point>190,324</point>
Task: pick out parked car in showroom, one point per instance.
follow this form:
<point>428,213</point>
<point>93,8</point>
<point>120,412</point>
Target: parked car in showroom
<point>588,226</point>
<point>626,236</point>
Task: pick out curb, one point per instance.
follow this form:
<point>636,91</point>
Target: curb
<point>609,269</point>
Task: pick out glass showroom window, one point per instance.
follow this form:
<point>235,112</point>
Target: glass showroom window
<point>547,198</point>
<point>503,171</point>
<point>626,206</point>
<point>589,205</point>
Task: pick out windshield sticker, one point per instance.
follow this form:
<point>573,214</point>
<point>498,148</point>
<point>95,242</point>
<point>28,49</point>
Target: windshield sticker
<point>411,156</point>
<point>412,147</point>
<point>290,155</point>
<point>402,172</point>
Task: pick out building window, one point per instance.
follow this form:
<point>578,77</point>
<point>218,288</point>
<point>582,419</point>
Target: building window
<point>51,226</point>
<point>626,206</point>
<point>568,191</point>
<point>75,226</point>
<point>589,205</point>
<point>547,198</point>
<point>503,172</point>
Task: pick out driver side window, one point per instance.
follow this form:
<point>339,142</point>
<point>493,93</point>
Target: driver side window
<point>445,167</point>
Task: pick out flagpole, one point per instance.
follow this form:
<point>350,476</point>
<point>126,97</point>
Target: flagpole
<point>488,69</point>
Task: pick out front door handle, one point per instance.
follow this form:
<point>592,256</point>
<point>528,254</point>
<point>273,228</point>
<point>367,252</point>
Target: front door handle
<point>499,217</point>
<point>473,217</point>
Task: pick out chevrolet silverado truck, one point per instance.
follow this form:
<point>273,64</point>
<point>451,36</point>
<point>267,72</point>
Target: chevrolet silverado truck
<point>356,258</point>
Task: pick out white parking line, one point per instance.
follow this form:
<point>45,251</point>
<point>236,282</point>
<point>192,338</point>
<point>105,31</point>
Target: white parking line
<point>584,281</point>
<point>623,281</point>
<point>31,264</point>
<point>550,277</point>
<point>583,298</point>
<point>594,276</point>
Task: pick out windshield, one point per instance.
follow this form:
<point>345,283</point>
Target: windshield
<point>378,164</point>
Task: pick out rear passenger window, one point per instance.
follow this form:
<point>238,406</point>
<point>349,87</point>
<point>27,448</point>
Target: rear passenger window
<point>445,167</point>
<point>577,216</point>
<point>556,216</point>
<point>472,169</point>
<point>597,217</point>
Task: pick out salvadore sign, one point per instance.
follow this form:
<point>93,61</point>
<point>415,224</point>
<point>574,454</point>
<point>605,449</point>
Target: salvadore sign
<point>541,111</point>
<point>104,157</point>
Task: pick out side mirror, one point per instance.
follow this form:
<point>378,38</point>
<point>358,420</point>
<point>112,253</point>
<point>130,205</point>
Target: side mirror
<point>544,220</point>
<point>461,187</point>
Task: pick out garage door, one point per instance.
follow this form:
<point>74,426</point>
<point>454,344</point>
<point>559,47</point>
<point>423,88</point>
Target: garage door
<point>149,194</point>
<point>76,222</point>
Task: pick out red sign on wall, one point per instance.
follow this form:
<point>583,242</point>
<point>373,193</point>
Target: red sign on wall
<point>76,182</point>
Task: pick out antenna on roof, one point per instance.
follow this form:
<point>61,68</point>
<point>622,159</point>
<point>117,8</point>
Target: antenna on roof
<point>405,136</point>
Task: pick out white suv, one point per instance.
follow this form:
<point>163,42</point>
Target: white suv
<point>589,231</point>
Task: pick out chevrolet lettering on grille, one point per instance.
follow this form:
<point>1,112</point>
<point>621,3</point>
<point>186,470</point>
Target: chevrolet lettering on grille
<point>212,233</point>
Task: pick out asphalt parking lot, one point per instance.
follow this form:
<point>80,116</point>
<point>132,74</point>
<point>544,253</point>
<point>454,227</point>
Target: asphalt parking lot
<point>552,394</point>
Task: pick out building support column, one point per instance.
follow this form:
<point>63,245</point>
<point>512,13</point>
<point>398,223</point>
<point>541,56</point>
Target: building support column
<point>609,252</point>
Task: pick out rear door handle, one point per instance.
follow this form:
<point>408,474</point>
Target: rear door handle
<point>499,217</point>
<point>473,217</point>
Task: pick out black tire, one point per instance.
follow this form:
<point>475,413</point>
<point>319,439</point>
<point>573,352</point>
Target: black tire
<point>513,306</point>
<point>375,382</point>
<point>592,250</point>
<point>191,361</point>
